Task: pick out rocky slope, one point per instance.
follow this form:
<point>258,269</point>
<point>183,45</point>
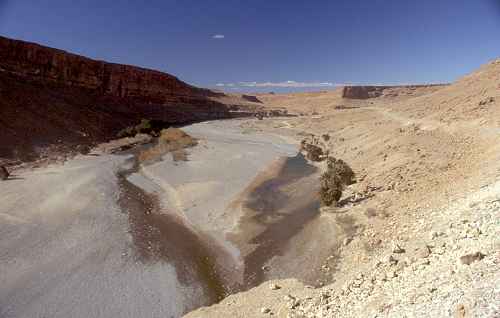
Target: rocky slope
<point>420,227</point>
<point>365,92</point>
<point>50,97</point>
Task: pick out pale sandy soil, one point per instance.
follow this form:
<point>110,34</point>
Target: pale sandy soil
<point>431,161</point>
<point>66,249</point>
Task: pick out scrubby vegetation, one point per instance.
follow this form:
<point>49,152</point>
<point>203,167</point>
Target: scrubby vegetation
<point>146,126</point>
<point>342,169</point>
<point>313,148</point>
<point>338,174</point>
<point>313,152</point>
<point>333,181</point>
<point>143,127</point>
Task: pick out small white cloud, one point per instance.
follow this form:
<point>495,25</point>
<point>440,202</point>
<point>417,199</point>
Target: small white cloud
<point>218,36</point>
<point>287,84</point>
<point>225,85</point>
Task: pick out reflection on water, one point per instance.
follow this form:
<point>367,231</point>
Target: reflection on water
<point>281,215</point>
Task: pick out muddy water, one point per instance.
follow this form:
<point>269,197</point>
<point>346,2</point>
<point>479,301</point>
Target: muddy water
<point>280,215</point>
<point>159,237</point>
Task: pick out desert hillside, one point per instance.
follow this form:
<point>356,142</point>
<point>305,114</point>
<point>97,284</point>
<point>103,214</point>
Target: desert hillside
<point>419,229</point>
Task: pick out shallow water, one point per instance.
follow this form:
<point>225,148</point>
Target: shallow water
<point>280,214</point>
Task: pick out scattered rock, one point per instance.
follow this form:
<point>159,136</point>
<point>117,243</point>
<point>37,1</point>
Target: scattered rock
<point>436,234</point>
<point>346,241</point>
<point>392,274</point>
<point>274,287</point>
<point>471,258</point>
<point>423,252</point>
<point>460,312</point>
<point>4,174</point>
<point>391,260</point>
<point>265,310</point>
<point>398,249</point>
<point>487,101</point>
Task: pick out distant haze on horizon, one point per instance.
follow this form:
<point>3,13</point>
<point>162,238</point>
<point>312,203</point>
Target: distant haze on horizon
<point>267,46</point>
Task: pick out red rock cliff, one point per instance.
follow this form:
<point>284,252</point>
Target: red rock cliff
<point>49,96</point>
<point>39,63</point>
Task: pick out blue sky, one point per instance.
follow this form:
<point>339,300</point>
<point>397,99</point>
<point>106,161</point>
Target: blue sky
<point>270,45</point>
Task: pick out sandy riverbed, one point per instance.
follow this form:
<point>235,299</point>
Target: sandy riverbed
<point>72,243</point>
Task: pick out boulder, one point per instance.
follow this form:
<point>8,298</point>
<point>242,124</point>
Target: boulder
<point>4,174</point>
<point>471,258</point>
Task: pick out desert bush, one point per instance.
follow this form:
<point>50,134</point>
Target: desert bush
<point>342,169</point>
<point>330,188</point>
<point>146,126</point>
<point>333,181</point>
<point>313,152</point>
<point>143,127</point>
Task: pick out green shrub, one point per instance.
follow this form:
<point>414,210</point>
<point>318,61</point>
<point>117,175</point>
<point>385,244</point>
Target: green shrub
<point>313,152</point>
<point>341,168</point>
<point>331,188</point>
<point>144,127</point>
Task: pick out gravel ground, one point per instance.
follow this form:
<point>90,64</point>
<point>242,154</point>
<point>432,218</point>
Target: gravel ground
<point>437,274</point>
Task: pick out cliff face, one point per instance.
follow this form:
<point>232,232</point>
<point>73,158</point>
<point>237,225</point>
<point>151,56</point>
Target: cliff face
<point>365,92</point>
<point>38,63</point>
<point>52,97</point>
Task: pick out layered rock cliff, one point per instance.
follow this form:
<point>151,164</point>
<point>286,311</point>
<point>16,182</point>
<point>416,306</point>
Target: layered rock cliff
<point>49,96</point>
<point>39,63</point>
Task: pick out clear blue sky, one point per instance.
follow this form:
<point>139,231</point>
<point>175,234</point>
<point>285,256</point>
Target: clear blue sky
<point>270,41</point>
